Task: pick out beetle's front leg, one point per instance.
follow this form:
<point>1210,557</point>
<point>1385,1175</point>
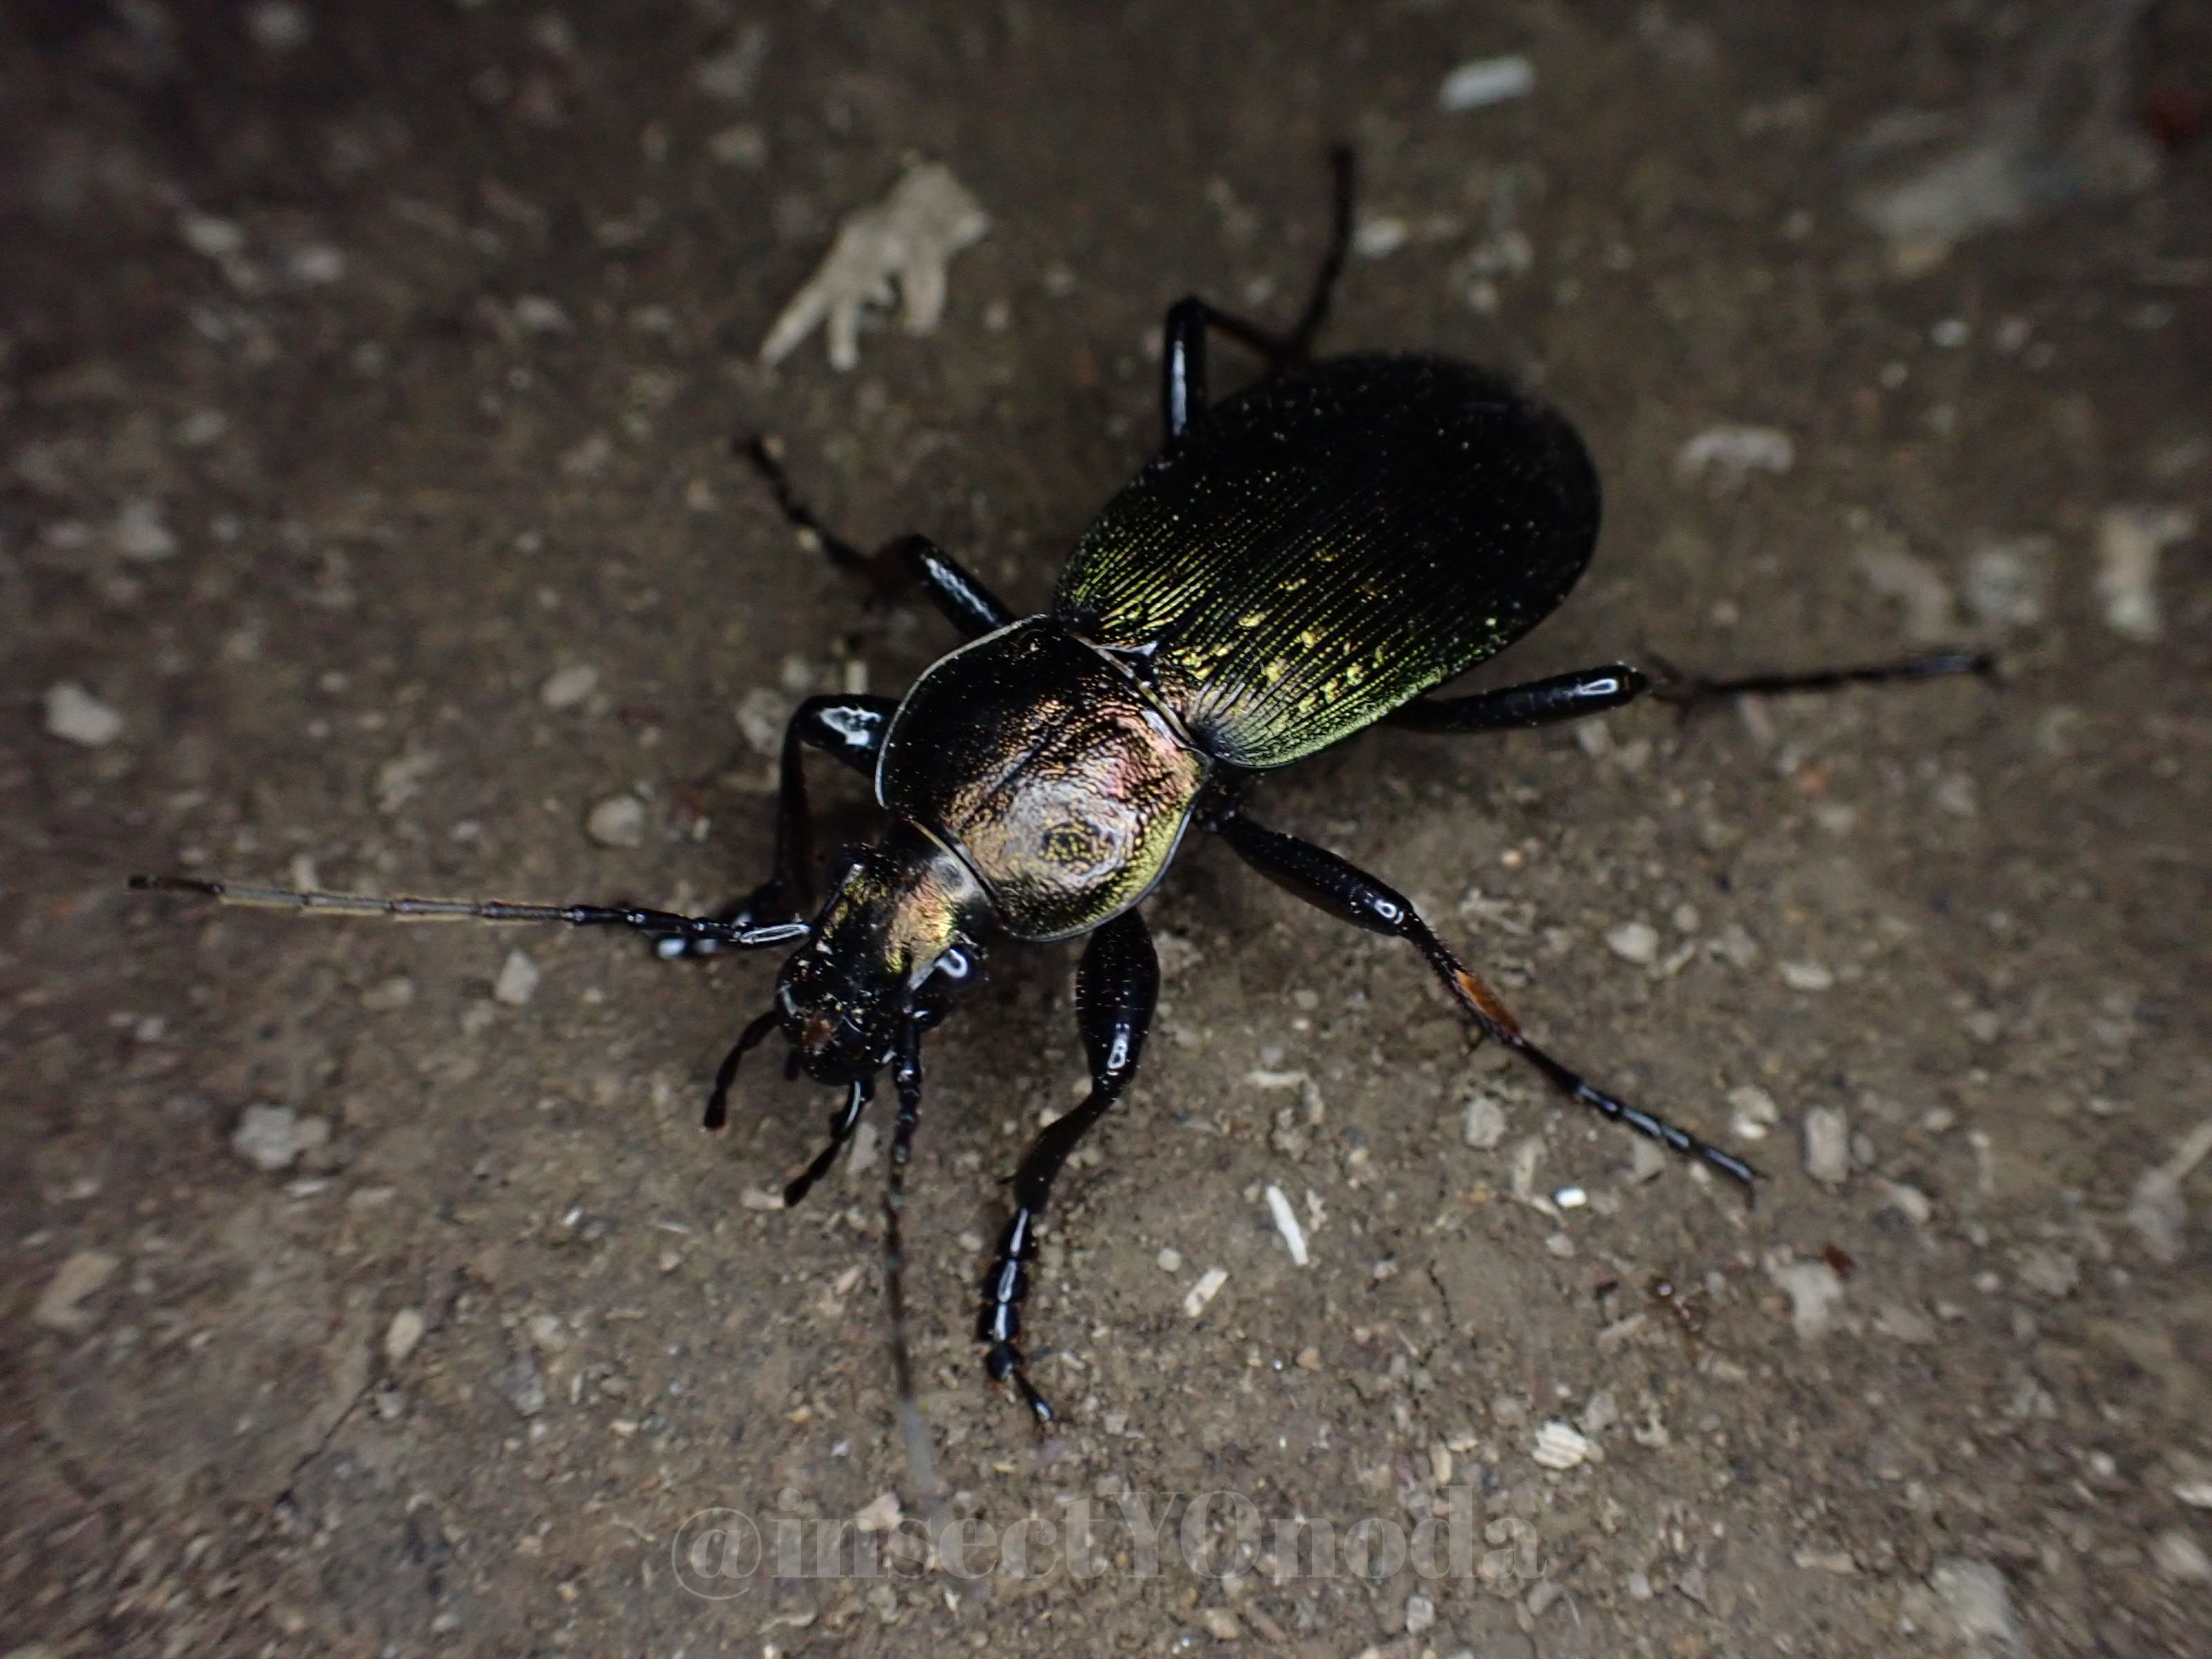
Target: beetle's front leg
<point>1116,990</point>
<point>852,729</point>
<point>1342,888</point>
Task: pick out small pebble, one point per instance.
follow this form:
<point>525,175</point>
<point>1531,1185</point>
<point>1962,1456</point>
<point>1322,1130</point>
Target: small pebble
<point>1208,1287</point>
<point>2050,1273</point>
<point>618,821</point>
<point>1286,1224</point>
<point>1570,1198</point>
<point>1486,81</point>
<point>77,1278</point>
<point>1600,1413</point>
<point>1753,1112</point>
<point>1914,584</point>
<point>388,993</point>
<point>1807,975</point>
<point>2181,1558</point>
<point>1561,1446</point>
<point>1420,1616</point>
<point>139,534</point>
<point>1634,941</point>
<point>73,714</point>
<point>2129,540</point>
<point>1903,1324</point>
<point>518,980</point>
<point>1827,1145</point>
<point>1639,1586</point>
<point>1169,1259</point>
<point>1733,453</point>
<point>1482,1124</point>
<point>565,688</point>
<point>881,1515</point>
<point>402,1335</point>
<point>271,1138</point>
<point>1979,1601</point>
<point>1814,1288</point>
<point>1221,1623</point>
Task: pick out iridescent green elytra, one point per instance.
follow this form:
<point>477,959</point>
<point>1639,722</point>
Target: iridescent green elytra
<point>1332,543</point>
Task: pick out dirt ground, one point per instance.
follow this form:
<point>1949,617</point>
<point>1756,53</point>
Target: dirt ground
<point>367,374</point>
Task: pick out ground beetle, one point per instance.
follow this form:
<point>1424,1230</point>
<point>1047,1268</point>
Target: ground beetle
<point>1300,561</point>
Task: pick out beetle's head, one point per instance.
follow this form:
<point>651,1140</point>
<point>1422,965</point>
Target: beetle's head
<point>906,916</point>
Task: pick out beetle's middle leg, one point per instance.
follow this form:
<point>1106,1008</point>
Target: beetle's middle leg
<point>967,603</point>
<point>1115,988</point>
<point>1184,397</point>
<point>1323,879</point>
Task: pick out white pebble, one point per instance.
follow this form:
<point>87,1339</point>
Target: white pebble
<point>1733,453</point>
<point>2160,1216</point>
<point>1482,1124</point>
<point>618,821</point>
<point>140,535</point>
<point>267,1137</point>
<point>1169,1259</point>
<point>1286,1223</point>
<point>565,688</point>
<point>1979,1601</point>
<point>1562,1446</point>
<point>1634,941</point>
<point>1827,1145</point>
<point>210,237</point>
<point>1814,1288</point>
<point>402,1334</point>
<point>2128,542</point>
<point>1486,81</point>
<point>77,1278</point>
<point>1570,1198</point>
<point>317,266</point>
<point>1804,976</point>
<point>518,980</point>
<point>1377,239</point>
<point>1420,1616</point>
<point>2181,1557</point>
<point>1753,1112</point>
<point>74,714</point>
<point>536,313</point>
<point>882,1515</point>
<point>1208,1286</point>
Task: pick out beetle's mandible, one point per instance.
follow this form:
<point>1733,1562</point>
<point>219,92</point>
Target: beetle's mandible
<point>1300,561</point>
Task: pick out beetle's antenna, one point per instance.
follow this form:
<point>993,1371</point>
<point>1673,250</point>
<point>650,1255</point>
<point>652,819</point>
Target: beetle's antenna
<point>664,924</point>
<point>718,1098</point>
<point>914,1428</point>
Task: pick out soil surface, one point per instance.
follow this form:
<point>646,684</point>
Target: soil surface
<point>369,521</point>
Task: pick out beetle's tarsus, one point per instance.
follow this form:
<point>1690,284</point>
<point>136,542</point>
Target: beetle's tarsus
<point>1689,692</point>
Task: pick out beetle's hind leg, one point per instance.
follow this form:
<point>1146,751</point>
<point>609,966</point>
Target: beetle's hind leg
<point>967,603</point>
<point>1116,989</point>
<point>1184,395</point>
<point>1322,879</point>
